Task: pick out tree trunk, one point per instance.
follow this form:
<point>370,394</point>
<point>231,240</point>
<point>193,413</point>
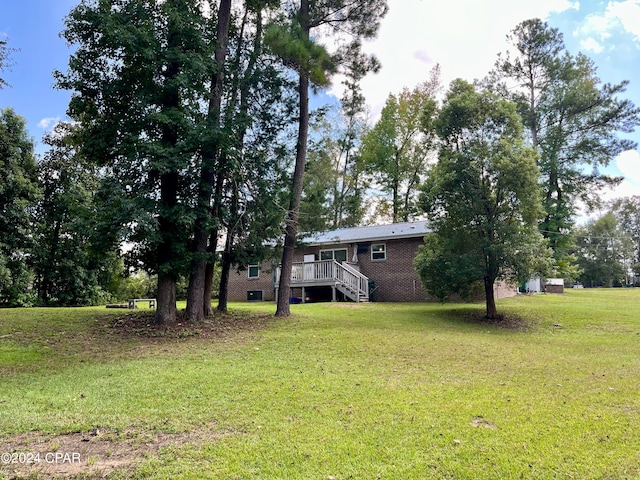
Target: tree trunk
<point>45,286</point>
<point>197,281</point>
<point>223,296</point>
<point>208,274</point>
<point>223,291</point>
<point>396,187</point>
<point>533,127</point>
<point>492,312</point>
<point>284,288</point>
<point>241,86</point>
<point>208,289</point>
<point>169,183</point>
<point>210,154</point>
<point>166,299</point>
<point>166,295</point>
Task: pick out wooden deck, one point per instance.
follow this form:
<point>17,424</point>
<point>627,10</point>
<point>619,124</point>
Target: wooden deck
<point>339,276</point>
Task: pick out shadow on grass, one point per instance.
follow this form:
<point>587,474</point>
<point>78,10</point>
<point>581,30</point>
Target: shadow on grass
<point>56,343</point>
<point>505,321</point>
<point>141,325</point>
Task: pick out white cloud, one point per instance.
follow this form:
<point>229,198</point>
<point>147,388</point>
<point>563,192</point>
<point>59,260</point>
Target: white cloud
<point>590,44</point>
<point>628,163</point>
<point>463,36</point>
<point>48,122</point>
<point>628,14</point>
<point>598,28</point>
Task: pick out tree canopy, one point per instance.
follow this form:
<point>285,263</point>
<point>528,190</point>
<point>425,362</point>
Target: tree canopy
<point>139,74</point>
<point>481,198</point>
<point>396,150</point>
<point>292,41</point>
<point>190,139</point>
<point>18,193</point>
<point>605,253</point>
<point>572,118</point>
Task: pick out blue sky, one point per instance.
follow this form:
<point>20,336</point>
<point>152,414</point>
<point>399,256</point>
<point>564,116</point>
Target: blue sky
<point>32,26</point>
<point>463,36</point>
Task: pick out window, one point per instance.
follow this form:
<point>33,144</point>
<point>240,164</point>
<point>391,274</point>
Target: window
<point>378,251</point>
<point>253,271</point>
<point>339,255</point>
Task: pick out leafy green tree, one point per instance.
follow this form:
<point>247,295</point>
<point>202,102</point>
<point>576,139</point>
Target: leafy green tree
<point>18,192</point>
<point>604,253</point>
<point>572,118</point>
<point>68,269</point>
<point>482,199</point>
<point>627,213</point>
<point>396,150</point>
<point>349,185</point>
<point>293,43</point>
<point>252,135</point>
<point>335,184</point>
<point>213,139</point>
<point>319,180</point>
<point>139,77</point>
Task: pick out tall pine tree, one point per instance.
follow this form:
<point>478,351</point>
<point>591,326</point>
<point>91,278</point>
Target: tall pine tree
<point>292,41</point>
<point>573,121</point>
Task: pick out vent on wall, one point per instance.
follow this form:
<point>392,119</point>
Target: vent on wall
<point>254,295</point>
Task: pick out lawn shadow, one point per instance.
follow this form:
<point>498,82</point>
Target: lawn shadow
<point>141,325</point>
<point>506,321</point>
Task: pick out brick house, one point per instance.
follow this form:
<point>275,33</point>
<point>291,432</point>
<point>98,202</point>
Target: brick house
<point>354,264</point>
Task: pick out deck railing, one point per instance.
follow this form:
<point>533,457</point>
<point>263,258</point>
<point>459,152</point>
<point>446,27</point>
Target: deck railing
<point>354,280</point>
<point>308,273</point>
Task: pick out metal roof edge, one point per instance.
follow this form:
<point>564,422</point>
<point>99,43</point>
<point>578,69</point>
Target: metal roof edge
<point>368,239</point>
<point>356,236</point>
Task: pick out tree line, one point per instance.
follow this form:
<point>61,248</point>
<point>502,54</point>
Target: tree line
<point>191,134</point>
<point>183,114</point>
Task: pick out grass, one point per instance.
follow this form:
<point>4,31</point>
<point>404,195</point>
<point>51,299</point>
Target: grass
<point>397,391</point>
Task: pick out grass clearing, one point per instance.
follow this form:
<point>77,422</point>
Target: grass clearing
<point>338,390</point>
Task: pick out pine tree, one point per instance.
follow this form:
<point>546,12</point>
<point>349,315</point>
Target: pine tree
<point>573,121</point>
<point>313,64</point>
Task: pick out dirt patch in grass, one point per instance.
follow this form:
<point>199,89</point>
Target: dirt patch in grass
<point>480,422</point>
<point>99,453</point>
<point>140,324</point>
<point>503,322</point>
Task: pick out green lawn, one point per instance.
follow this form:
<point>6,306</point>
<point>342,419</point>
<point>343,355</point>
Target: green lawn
<point>393,391</point>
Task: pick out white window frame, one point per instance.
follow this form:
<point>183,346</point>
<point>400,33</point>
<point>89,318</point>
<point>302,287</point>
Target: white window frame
<point>383,252</point>
<point>249,267</point>
<point>333,253</point>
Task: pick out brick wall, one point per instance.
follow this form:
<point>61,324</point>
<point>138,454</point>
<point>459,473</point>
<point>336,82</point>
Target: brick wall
<point>239,283</point>
<point>395,278</point>
<point>504,290</point>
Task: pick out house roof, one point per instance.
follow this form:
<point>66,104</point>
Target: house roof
<point>369,233</point>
